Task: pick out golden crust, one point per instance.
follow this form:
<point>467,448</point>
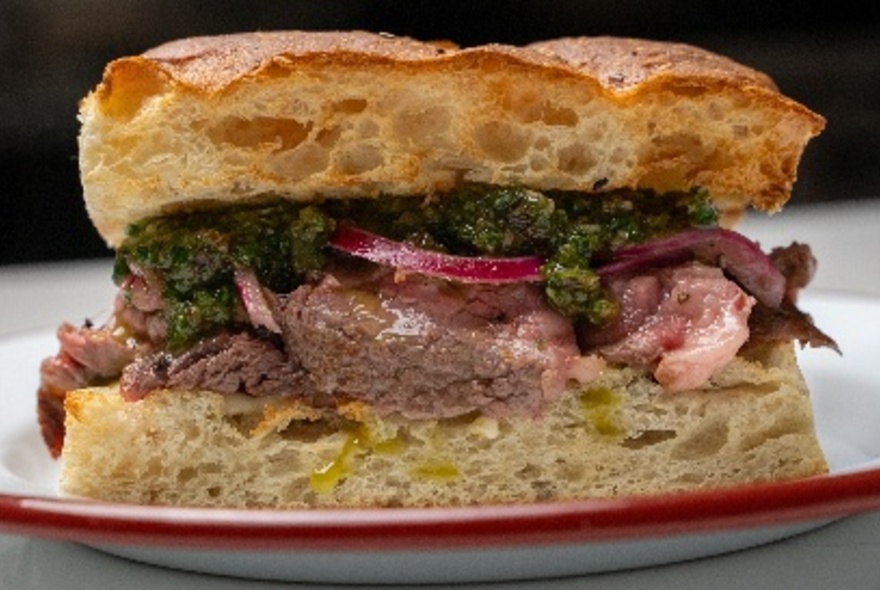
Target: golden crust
<point>210,64</point>
<point>618,64</point>
<point>625,82</point>
<point>622,64</point>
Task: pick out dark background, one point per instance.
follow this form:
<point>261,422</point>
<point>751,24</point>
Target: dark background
<point>826,55</point>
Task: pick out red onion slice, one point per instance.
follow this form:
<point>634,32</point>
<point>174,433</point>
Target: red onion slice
<point>737,255</point>
<point>407,257</point>
<point>254,300</point>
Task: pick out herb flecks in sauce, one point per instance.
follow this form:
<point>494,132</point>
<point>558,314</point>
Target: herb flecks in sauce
<point>593,227</point>
<point>505,221</point>
<point>196,253</point>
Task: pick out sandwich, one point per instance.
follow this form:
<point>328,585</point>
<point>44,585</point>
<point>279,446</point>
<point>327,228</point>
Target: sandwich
<point>360,270</point>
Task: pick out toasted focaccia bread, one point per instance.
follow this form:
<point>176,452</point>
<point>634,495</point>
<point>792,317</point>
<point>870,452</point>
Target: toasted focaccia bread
<point>621,436</point>
<point>333,115</point>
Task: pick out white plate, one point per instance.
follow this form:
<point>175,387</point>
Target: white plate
<point>466,544</point>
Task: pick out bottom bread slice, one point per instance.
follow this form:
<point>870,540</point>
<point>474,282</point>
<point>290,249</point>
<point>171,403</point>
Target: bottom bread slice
<point>619,436</point>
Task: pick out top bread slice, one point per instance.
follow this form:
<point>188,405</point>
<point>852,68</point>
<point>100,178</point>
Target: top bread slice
<point>308,115</point>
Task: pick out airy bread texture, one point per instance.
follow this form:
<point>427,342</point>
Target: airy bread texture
<point>306,115</point>
<point>620,436</point>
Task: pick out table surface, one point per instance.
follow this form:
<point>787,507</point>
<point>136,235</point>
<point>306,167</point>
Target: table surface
<point>844,554</point>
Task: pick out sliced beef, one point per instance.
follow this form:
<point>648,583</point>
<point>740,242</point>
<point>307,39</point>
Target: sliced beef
<point>785,323</point>
<point>99,350</point>
<point>684,323</point>
<point>637,299</point>
<point>139,307</point>
<point>86,356</point>
<point>50,416</point>
<point>797,264</point>
<point>228,363</point>
<point>429,348</point>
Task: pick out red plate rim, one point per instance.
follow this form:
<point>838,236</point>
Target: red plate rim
<point>585,521</point>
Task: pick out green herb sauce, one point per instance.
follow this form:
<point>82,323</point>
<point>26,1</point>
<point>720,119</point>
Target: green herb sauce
<point>197,253</point>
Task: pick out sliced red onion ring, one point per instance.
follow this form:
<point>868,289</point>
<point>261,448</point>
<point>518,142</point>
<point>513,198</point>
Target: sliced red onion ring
<point>254,300</point>
<point>737,255</point>
<point>381,250</point>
